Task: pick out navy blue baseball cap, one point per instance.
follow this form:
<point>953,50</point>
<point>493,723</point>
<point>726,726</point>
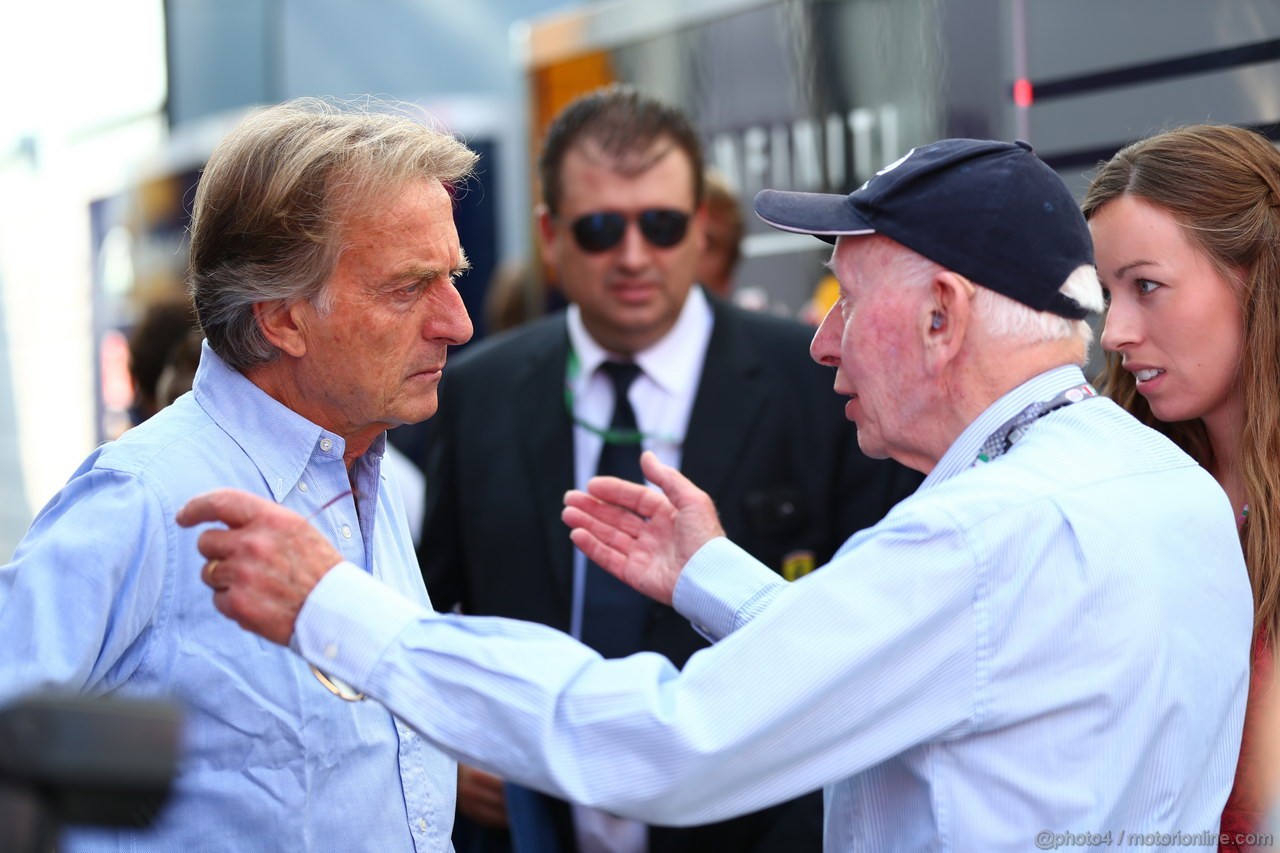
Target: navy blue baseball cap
<point>991,211</point>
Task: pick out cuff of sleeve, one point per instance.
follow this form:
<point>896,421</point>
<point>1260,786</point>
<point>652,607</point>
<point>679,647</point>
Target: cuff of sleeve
<point>347,622</point>
<point>719,587</point>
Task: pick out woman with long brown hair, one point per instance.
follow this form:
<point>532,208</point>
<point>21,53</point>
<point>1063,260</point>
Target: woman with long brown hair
<point>1186,229</point>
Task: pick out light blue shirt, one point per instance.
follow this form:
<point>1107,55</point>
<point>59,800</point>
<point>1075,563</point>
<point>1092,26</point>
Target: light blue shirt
<point>104,597</point>
<point>1057,641</point>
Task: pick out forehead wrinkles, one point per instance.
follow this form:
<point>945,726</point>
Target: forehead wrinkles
<point>868,261</point>
<point>418,216</point>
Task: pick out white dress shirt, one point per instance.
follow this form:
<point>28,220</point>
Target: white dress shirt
<point>662,398</point>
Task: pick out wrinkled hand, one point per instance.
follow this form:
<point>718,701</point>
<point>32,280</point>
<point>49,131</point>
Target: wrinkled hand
<point>263,565</point>
<point>482,796</point>
<point>642,537</point>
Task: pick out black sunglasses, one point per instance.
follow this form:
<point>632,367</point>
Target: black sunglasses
<point>600,232</point>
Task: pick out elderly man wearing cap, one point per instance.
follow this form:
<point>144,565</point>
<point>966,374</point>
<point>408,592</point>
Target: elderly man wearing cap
<point>1047,645</point>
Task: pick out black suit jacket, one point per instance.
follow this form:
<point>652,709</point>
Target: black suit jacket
<point>767,439</point>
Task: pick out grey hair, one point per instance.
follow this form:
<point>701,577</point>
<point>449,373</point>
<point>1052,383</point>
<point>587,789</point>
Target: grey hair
<point>272,200</point>
<point>1003,317</point>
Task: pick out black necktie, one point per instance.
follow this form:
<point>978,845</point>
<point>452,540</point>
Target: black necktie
<point>613,614</point>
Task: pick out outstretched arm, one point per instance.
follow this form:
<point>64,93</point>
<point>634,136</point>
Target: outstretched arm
<point>643,537</point>
<point>824,683</point>
<point>263,565</point>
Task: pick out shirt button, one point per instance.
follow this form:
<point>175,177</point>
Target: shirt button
<point>422,824</point>
<point>326,445</point>
<point>331,651</point>
<point>302,487</point>
<point>346,531</point>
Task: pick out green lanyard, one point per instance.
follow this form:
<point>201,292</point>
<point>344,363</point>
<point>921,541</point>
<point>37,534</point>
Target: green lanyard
<point>608,436</point>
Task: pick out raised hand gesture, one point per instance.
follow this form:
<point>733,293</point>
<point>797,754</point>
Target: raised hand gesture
<point>642,536</point>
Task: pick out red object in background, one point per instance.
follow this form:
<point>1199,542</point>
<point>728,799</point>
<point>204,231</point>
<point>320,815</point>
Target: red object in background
<point>1023,93</point>
<point>117,384</point>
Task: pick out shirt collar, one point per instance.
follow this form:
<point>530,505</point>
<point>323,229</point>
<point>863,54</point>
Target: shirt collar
<point>667,361</point>
<point>964,450</point>
<point>279,441</point>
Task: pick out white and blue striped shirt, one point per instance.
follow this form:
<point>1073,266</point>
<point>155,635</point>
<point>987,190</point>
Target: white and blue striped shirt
<point>1055,642</point>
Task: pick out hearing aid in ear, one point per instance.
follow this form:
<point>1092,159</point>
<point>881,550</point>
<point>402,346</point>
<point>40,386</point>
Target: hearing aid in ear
<point>937,320</point>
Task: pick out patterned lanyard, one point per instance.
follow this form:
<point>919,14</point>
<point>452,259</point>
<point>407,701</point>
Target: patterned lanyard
<point>1008,433</point>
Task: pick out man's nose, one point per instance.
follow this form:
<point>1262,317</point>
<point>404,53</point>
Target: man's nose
<point>634,251</point>
<point>825,348</point>
<point>450,322</point>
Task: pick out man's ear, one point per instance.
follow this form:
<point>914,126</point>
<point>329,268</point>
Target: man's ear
<point>283,324</point>
<point>698,226</point>
<point>546,230</point>
<point>946,316</point>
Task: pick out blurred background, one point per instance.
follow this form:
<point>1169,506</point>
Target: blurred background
<point>115,106</point>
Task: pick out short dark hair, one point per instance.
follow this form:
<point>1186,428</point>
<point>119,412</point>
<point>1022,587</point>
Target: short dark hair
<point>624,123</point>
<point>159,331</point>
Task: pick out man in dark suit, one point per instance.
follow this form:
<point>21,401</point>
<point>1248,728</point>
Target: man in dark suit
<point>729,396</point>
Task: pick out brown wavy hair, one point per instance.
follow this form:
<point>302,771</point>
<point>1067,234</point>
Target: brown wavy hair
<point>1222,185</point>
<point>273,200</point>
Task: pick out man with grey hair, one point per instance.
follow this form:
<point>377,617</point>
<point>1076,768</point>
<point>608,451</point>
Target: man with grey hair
<point>323,252</point>
<point>1046,646</point>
